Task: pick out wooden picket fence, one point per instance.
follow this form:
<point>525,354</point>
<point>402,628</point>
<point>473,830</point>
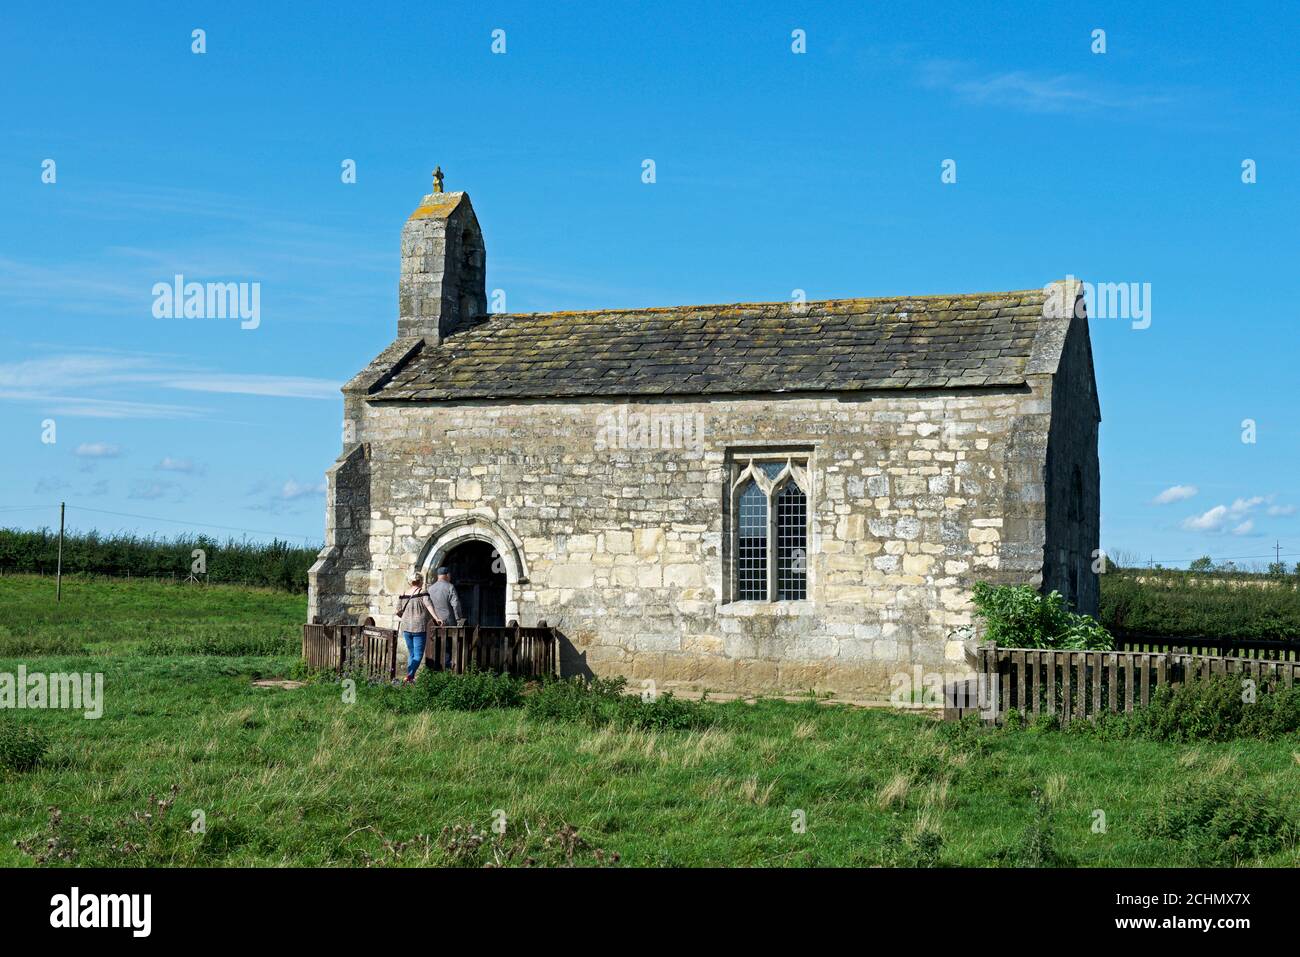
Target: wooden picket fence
<point>1269,649</point>
<point>349,647</point>
<point>1077,685</point>
<point>526,652</point>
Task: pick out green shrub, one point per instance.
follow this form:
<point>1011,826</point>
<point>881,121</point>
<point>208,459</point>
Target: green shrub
<point>574,699</point>
<point>1210,709</point>
<point>1220,824</point>
<point>21,746</point>
<point>1043,722</point>
<point>1178,604</point>
<point>448,691</point>
<point>275,564</point>
<point>1216,709</point>
<point>661,713</point>
<point>915,845</point>
<point>605,701</point>
<point>1017,616</point>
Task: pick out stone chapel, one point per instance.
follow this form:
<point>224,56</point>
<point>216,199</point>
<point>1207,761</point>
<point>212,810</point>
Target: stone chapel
<point>762,497</point>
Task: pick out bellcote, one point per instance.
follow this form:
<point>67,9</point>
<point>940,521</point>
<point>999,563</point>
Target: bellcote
<point>443,279</point>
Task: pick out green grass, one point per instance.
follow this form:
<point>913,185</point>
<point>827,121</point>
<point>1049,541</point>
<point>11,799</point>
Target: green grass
<point>302,777</point>
<point>115,616</point>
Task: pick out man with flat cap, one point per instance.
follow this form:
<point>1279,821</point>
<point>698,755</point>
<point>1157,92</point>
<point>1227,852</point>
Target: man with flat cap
<point>446,603</point>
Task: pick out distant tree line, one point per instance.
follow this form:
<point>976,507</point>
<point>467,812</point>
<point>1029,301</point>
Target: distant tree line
<point>1203,566</point>
<point>274,564</point>
<point>1187,604</point>
<point>1275,569</point>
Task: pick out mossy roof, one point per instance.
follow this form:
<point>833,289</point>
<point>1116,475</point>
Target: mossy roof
<point>929,342</point>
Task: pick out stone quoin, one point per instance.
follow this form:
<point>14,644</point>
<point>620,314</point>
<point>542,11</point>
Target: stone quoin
<point>853,468</point>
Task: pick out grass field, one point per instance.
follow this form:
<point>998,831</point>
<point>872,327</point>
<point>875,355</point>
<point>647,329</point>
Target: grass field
<point>120,617</point>
<point>301,777</point>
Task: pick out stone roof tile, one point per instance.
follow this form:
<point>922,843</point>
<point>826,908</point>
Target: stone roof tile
<point>847,344</point>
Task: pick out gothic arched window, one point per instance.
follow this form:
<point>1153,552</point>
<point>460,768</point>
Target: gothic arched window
<point>751,548</point>
<point>791,543</point>
<point>770,521</point>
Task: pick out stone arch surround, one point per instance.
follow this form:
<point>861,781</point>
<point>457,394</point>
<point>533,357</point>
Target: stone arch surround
<point>483,529</point>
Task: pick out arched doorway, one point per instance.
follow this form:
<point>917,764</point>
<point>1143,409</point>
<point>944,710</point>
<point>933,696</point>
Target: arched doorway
<point>479,576</point>
<point>505,562</point>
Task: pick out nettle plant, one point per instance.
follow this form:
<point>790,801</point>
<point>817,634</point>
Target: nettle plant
<point>1017,616</point>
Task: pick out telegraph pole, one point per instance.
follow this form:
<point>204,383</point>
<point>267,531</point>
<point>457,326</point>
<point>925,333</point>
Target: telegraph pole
<point>58,587</point>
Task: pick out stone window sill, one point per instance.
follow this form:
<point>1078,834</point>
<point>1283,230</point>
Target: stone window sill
<point>777,609</point>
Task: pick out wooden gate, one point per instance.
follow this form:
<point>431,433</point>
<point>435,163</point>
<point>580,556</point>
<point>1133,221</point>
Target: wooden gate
<point>351,647</point>
<point>526,652</point>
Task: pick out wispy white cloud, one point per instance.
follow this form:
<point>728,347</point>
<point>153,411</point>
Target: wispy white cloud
<point>91,385</point>
<point>51,484</point>
<point>1032,92</point>
<point>1175,493</point>
<point>227,238</point>
<point>96,408</point>
<point>1209,520</point>
<point>185,466</point>
<point>292,490</point>
<point>152,491</point>
<point>279,386</point>
<point>98,450</point>
<point>289,497</point>
<point>1233,518</point>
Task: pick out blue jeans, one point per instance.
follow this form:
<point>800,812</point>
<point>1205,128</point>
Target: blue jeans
<point>414,650</point>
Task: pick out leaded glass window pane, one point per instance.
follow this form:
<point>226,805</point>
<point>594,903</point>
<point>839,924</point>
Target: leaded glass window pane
<point>751,552</point>
<point>791,544</point>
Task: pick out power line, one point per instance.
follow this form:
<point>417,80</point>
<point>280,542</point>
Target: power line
<point>174,521</point>
<point>226,528</point>
<point>1227,558</point>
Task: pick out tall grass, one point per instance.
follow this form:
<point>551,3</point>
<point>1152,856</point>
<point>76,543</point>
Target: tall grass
<point>275,564</point>
<point>116,617</point>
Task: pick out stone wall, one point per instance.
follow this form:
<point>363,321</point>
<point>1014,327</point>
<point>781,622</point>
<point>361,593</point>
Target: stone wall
<point>1074,476</point>
<point>914,497</point>
<point>341,581</point>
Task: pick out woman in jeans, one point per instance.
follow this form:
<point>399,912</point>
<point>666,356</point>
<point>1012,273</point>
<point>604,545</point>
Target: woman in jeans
<point>416,612</point>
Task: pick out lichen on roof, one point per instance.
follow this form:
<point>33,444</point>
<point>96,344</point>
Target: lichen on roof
<point>926,342</point>
<point>437,206</point>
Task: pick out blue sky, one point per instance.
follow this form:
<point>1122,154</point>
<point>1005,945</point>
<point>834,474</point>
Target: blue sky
<point>774,171</point>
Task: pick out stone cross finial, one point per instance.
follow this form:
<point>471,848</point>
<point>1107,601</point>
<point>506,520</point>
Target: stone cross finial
<point>437,179</point>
